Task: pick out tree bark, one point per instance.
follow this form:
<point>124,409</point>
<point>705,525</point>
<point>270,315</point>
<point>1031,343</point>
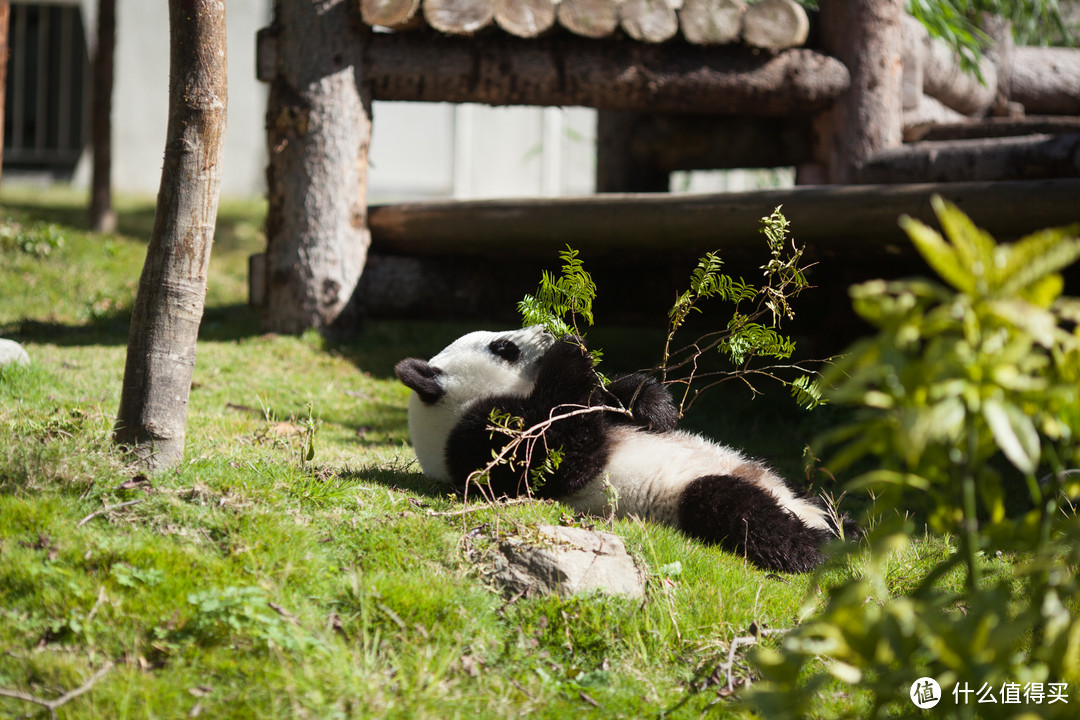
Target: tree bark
<point>866,36</point>
<point>589,18</point>
<point>525,18</point>
<point>5,16</point>
<point>318,130</point>
<point>672,77</point>
<point>102,215</point>
<point>712,22</point>
<point>172,288</point>
<point>775,25</point>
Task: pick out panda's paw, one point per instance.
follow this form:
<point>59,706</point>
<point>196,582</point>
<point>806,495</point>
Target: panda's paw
<point>566,373</point>
<point>649,402</point>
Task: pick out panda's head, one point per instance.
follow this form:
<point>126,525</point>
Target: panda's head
<point>477,365</point>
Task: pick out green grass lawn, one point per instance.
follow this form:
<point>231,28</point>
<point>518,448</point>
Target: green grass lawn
<point>251,583</point>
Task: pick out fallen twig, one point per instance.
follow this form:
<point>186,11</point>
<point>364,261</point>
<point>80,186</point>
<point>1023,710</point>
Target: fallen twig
<point>63,699</point>
<point>107,508</point>
<point>736,643</point>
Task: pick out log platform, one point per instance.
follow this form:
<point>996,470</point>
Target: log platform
<point>435,260</point>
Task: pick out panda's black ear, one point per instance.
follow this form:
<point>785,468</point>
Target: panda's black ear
<point>422,377</point>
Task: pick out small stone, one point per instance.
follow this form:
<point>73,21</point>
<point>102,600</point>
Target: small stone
<point>12,353</point>
<point>565,561</point>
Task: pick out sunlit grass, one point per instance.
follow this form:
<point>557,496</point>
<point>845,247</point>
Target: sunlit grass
<point>251,581</point>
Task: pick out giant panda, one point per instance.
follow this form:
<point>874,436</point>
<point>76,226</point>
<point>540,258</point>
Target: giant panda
<point>631,454</point>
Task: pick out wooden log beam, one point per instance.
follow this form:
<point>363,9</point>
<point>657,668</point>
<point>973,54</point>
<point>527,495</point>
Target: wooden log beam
<point>500,70</point>
<point>994,127</point>
<point>847,220</point>
<point>1047,80</point>
<point>1016,158</point>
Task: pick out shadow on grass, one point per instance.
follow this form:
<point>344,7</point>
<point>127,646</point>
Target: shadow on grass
<point>397,478</point>
<point>219,324</point>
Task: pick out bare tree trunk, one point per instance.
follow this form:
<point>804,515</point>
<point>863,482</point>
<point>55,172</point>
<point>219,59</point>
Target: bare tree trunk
<point>866,36</point>
<point>102,215</point>
<point>318,130</point>
<point>172,289</point>
<point>5,15</point>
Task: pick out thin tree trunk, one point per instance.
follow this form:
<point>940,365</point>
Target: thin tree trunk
<point>172,289</point>
<point>5,14</point>
<point>318,129</point>
<point>102,215</point>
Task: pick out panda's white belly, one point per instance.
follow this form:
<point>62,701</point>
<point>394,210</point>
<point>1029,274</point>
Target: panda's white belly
<point>646,474</point>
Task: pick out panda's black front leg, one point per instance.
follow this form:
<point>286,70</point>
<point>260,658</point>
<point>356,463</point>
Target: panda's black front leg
<point>566,377</point>
<point>649,402</point>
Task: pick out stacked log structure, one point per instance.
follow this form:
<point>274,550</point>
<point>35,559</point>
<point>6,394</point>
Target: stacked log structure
<point>766,24</point>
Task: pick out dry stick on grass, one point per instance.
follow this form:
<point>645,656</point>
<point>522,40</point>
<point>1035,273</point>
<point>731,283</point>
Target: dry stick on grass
<point>107,508</point>
<point>63,699</point>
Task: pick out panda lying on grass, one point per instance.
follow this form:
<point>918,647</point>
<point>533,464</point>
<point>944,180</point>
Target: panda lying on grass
<point>708,491</point>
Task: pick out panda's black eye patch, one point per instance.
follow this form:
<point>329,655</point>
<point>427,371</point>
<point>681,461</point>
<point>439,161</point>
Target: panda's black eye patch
<point>505,349</point>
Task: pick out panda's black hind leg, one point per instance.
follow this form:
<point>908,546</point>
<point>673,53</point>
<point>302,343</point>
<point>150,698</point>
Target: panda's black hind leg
<point>746,520</point>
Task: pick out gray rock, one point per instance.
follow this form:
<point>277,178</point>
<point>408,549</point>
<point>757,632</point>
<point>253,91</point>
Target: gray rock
<point>565,561</point>
<point>12,352</point>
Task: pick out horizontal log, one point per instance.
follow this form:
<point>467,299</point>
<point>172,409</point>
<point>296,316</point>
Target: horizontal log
<point>1018,158</point>
<point>1046,80</point>
<point>994,127</point>
<point>841,220</point>
<point>607,75</point>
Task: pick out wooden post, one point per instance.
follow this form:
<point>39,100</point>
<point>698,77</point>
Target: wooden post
<point>318,131</point>
<point>866,36</point>
<point>172,289</point>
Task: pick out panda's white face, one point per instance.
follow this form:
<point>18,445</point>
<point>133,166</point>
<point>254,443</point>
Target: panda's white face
<point>477,365</point>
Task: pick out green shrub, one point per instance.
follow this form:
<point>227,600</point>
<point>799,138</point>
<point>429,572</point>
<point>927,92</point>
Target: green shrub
<point>968,407</point>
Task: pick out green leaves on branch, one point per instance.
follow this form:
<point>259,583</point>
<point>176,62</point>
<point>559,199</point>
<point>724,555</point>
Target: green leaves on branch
<point>560,301</point>
<point>564,303</point>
